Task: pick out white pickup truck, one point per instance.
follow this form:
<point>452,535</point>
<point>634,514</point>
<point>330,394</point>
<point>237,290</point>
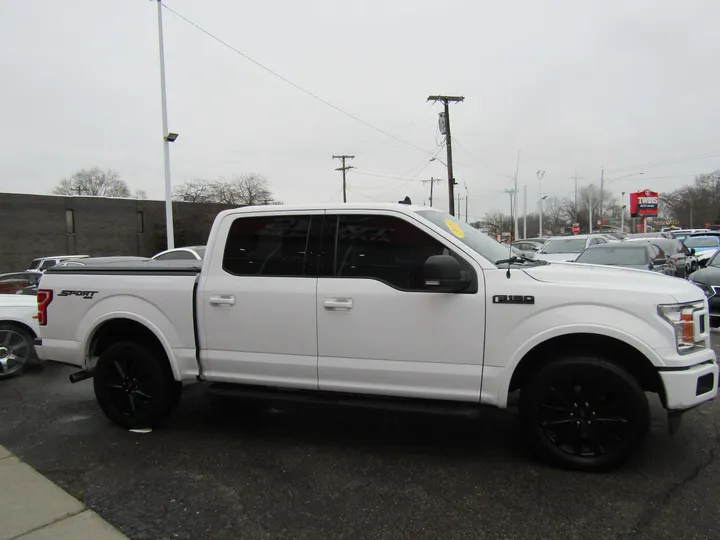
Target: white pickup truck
<point>388,305</point>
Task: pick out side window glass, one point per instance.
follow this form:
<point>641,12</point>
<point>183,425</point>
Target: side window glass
<point>176,256</point>
<point>267,246</point>
<point>385,248</point>
<point>47,264</point>
<point>593,241</point>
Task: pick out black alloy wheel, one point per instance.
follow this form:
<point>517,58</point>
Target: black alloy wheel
<point>134,385</point>
<point>585,413</point>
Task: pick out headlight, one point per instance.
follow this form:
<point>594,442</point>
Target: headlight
<point>682,318</point>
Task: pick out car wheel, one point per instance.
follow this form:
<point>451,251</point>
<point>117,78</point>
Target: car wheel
<point>134,385</point>
<point>16,348</point>
<point>585,413</point>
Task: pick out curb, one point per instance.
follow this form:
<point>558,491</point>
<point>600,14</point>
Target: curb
<point>34,508</point>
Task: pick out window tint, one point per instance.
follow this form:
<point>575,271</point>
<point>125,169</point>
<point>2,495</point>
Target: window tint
<point>385,248</point>
<point>600,241</point>
<point>267,246</point>
<point>176,256</point>
<point>48,263</point>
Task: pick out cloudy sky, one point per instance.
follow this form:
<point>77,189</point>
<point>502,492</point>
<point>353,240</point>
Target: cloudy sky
<point>631,85</point>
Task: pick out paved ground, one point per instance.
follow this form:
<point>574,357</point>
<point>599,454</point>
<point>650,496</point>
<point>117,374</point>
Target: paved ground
<point>231,473</point>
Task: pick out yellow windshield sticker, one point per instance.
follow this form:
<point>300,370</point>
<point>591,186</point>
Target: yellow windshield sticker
<point>454,228</point>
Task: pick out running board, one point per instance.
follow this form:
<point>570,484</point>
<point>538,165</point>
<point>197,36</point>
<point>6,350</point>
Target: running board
<point>340,399</point>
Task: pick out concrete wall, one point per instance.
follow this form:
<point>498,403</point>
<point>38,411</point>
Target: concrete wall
<point>34,226</point>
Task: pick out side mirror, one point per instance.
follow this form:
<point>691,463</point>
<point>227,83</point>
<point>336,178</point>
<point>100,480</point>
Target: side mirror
<point>443,274</point>
<point>692,251</point>
<point>536,248</point>
<point>659,262</point>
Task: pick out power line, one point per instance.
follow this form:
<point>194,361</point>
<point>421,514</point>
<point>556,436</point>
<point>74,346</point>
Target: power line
<point>297,86</point>
<point>668,161</point>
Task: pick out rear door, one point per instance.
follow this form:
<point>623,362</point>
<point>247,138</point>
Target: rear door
<point>380,330</point>
<point>257,300</point>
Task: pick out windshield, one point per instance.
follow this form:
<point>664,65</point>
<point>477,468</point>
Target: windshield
<point>615,256</point>
<point>564,245</point>
<point>479,242</point>
<point>701,241</point>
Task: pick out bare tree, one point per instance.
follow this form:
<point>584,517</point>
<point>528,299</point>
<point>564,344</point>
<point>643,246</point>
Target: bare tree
<point>93,182</point>
<point>694,205</point>
<point>140,194</point>
<point>245,190</point>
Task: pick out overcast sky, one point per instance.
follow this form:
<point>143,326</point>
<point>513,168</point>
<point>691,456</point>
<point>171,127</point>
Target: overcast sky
<point>575,84</point>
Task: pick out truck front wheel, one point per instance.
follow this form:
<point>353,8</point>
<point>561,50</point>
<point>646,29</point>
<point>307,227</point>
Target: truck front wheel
<point>134,385</point>
<point>584,413</point>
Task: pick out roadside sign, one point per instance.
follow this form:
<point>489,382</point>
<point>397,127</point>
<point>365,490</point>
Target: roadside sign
<point>576,229</point>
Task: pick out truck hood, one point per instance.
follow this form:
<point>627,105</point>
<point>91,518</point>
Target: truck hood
<point>557,257</point>
<point>18,300</point>
<point>612,277</point>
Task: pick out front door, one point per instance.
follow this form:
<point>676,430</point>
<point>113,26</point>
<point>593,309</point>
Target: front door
<point>380,331</point>
<point>257,301</point>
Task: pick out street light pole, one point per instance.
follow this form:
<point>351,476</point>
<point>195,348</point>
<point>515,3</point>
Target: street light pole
<point>590,209</point>
<point>622,213</point>
<point>540,228</point>
<point>166,143</point>
<point>540,175</point>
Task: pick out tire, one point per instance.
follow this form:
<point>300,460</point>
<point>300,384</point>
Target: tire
<point>585,413</point>
<point>135,386</point>
<point>16,348</point>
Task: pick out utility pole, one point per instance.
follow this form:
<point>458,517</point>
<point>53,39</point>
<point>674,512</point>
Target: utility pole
<point>515,190</point>
<point>590,209</point>
<point>432,181</point>
<point>448,144</point>
<point>576,177</point>
<point>602,184</point>
<point>344,169</point>
<point>466,206</point>
<point>167,139</point>
<point>525,212</point>
<point>622,213</point>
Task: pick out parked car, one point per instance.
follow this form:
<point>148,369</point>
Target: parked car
<point>196,253</point>
<point>708,279</point>
<point>666,234</point>
<point>18,330</point>
<point>43,263</point>
<point>682,257</point>
<point>17,281</point>
<point>640,256</point>
<point>95,261</point>
<point>681,234</point>
<point>567,248</point>
<point>703,242</point>
<point>705,257</point>
<point>352,304</point>
<point>527,247</point>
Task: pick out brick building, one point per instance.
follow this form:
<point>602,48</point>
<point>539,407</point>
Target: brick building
<point>34,226</point>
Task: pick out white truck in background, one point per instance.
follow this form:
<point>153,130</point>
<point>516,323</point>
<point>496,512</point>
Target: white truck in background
<point>387,305</point>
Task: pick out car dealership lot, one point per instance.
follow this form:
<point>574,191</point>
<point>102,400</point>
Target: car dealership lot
<point>229,470</point>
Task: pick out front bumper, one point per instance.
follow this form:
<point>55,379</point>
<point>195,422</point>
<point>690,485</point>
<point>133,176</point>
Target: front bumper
<point>690,387</point>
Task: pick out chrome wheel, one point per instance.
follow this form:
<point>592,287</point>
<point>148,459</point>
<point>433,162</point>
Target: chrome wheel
<point>15,350</point>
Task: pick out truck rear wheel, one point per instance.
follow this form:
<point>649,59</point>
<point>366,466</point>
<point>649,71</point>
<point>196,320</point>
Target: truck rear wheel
<point>134,385</point>
<point>585,413</point>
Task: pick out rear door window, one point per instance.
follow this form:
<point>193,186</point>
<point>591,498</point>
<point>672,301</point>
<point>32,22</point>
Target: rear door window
<point>268,246</point>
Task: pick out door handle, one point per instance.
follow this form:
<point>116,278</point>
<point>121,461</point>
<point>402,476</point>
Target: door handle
<point>338,304</point>
<point>223,300</point>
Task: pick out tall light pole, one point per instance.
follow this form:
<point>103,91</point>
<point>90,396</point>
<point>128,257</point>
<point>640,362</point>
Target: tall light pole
<point>622,213</point>
<point>512,193</point>
<point>540,173</point>
<point>540,228</point>
<point>590,208</point>
<point>515,189</point>
<point>167,137</point>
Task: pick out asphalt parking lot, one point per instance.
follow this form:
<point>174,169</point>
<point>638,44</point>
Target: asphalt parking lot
<point>237,472</point>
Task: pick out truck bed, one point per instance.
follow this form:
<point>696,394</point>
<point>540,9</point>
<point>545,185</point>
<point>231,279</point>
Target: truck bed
<point>159,295</point>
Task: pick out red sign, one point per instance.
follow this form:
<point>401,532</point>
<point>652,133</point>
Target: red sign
<point>576,229</point>
<point>644,203</point>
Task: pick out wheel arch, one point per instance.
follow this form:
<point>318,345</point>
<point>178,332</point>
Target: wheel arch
<point>20,324</point>
<point>127,327</point>
<point>616,350</point>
